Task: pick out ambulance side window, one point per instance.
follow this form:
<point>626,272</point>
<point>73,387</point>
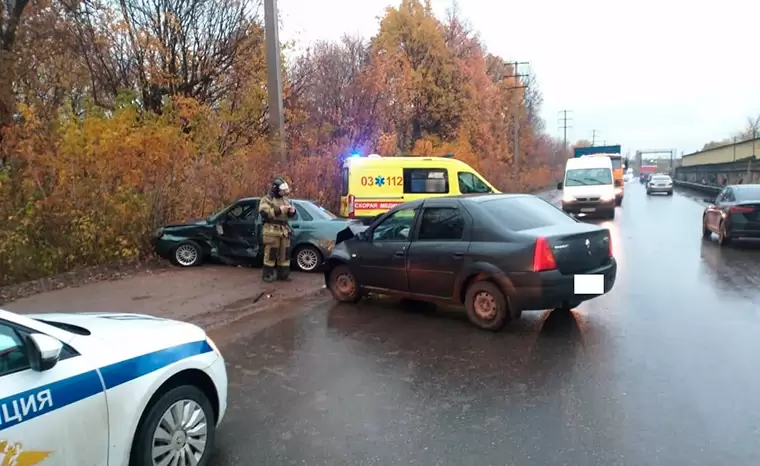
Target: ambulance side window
<point>426,181</point>
<point>471,184</point>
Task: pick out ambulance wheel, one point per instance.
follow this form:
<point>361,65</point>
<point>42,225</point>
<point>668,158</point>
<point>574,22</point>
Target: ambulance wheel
<point>179,425</point>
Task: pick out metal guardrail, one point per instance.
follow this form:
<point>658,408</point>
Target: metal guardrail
<point>699,186</point>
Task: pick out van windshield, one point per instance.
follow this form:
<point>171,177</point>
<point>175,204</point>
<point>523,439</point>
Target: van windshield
<point>588,177</point>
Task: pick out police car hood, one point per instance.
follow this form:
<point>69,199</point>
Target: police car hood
<point>113,327</point>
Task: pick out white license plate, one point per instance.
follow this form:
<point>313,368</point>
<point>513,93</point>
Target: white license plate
<point>589,284</point>
<point>588,209</point>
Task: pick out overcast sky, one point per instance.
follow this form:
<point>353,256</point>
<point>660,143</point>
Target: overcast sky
<point>649,74</point>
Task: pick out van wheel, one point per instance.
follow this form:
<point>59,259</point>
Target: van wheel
<point>178,426</point>
<point>486,306</point>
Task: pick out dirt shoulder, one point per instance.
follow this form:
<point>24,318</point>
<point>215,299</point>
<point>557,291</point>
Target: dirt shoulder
<point>207,295</point>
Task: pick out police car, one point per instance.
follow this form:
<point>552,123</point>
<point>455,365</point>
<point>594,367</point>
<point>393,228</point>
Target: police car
<point>107,389</point>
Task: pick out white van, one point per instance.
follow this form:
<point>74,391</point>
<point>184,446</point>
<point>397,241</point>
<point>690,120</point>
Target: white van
<point>589,186</point>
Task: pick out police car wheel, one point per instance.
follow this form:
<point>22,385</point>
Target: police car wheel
<point>187,254</point>
<point>179,426</point>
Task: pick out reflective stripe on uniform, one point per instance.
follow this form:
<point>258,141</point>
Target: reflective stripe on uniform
<point>30,404</point>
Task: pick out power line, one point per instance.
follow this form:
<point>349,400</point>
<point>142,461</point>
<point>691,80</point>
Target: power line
<point>565,127</point>
<point>516,112</point>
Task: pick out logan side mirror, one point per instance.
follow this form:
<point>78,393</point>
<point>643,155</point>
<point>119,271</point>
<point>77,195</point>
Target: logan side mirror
<point>43,351</point>
<point>559,186</point>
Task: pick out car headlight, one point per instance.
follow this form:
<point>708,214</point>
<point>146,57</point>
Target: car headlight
<point>212,345</point>
<point>158,233</point>
<point>608,197</point>
<point>567,198</point>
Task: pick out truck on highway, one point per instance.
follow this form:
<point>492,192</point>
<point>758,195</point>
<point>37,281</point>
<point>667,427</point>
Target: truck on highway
<point>618,165</point>
<point>645,171</point>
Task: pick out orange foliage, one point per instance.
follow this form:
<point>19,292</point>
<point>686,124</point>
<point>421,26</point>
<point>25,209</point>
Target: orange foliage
<point>85,180</point>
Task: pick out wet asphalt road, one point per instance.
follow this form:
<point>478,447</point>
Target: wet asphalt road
<point>664,370</point>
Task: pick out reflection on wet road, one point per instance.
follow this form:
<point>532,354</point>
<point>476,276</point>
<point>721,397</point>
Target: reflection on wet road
<point>664,370</point>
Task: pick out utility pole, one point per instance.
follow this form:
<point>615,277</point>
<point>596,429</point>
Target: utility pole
<point>593,137</point>
<point>564,129</point>
<point>274,77</point>
<point>516,111</point>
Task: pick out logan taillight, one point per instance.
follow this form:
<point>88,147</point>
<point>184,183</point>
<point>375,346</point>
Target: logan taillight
<point>543,256</point>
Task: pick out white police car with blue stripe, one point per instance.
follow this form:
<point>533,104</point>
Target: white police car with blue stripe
<point>107,389</point>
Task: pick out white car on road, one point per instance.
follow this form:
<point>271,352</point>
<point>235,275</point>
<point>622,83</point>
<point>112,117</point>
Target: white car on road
<point>107,390</point>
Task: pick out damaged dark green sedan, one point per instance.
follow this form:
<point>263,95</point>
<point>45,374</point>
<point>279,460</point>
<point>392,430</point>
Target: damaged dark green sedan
<point>233,236</point>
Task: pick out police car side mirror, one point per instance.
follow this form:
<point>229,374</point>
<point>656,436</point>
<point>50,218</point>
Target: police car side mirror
<point>559,186</point>
<point>43,351</point>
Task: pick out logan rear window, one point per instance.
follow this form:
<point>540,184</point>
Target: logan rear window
<point>525,213</point>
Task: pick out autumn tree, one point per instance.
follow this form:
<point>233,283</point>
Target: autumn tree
<point>11,12</point>
<point>160,47</point>
<point>419,73</point>
<point>334,84</point>
<point>582,143</point>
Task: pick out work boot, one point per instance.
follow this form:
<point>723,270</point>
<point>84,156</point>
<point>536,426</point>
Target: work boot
<point>268,274</point>
<point>283,273</point>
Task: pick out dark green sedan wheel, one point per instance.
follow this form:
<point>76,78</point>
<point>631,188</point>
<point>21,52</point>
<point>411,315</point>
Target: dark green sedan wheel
<point>187,254</point>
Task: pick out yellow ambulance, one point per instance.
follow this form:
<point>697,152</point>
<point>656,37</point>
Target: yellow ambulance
<point>373,185</point>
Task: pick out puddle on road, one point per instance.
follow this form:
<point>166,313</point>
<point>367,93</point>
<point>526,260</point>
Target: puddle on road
<point>231,322</point>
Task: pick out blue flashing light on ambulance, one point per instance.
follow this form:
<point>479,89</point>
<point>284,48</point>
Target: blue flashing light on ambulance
<point>372,185</point>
